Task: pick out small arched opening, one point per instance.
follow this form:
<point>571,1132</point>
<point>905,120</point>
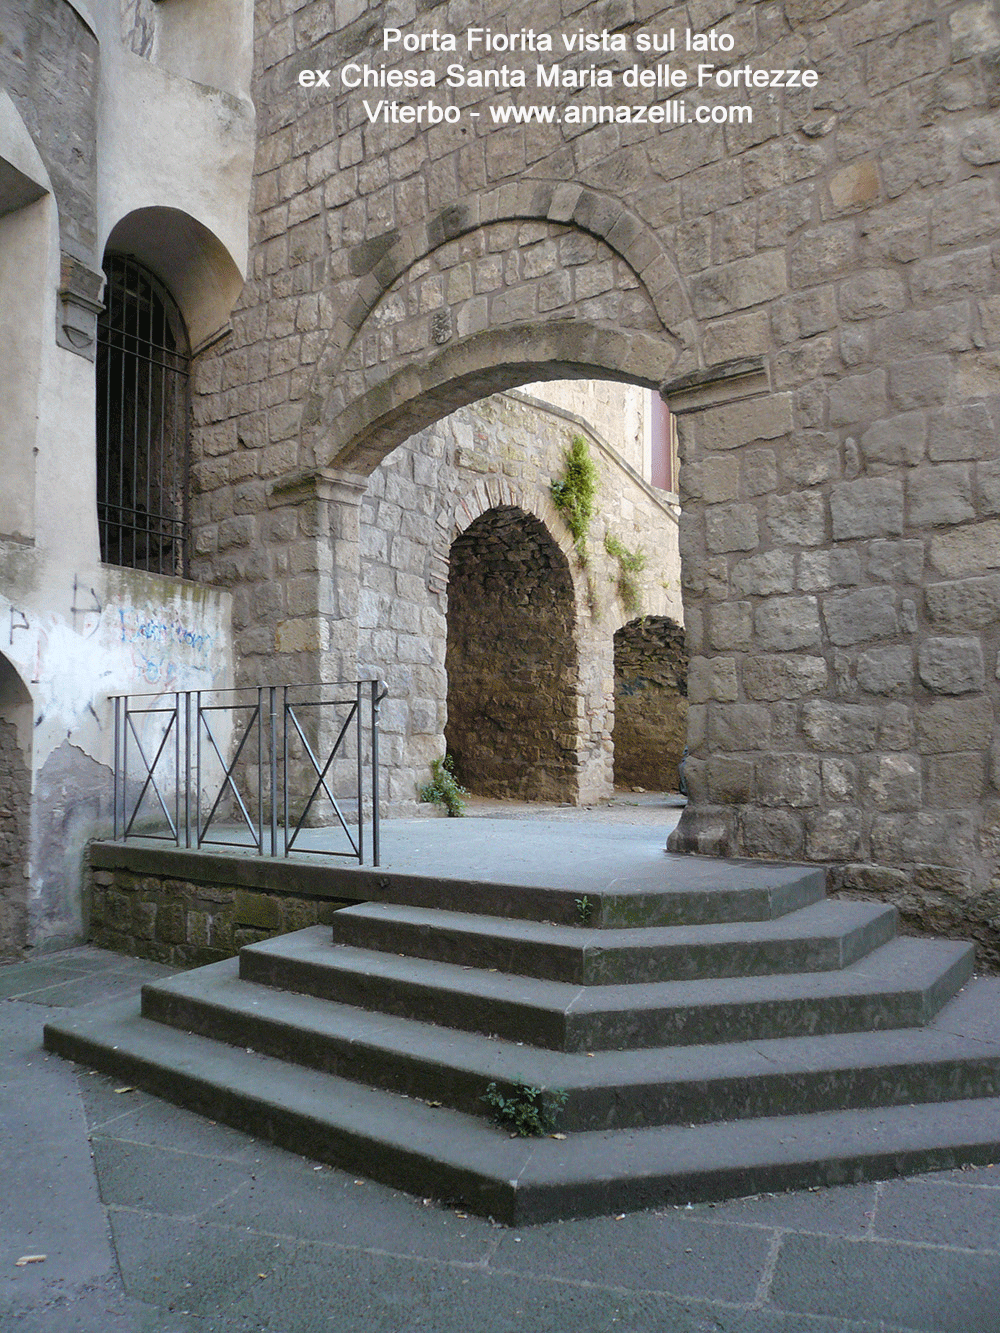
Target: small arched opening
<point>650,728</point>
<point>15,810</point>
<point>511,660</point>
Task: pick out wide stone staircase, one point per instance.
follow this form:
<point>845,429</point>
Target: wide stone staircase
<point>733,1032</point>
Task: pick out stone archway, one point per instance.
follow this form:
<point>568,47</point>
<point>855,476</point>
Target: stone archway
<point>15,811</point>
<point>650,729</point>
<point>512,660</point>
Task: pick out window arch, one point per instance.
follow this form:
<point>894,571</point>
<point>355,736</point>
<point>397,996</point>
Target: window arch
<point>142,423</point>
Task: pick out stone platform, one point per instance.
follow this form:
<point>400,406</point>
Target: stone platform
<point>718,1029</point>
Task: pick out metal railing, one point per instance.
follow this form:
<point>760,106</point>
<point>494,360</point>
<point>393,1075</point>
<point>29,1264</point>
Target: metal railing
<point>258,768</point>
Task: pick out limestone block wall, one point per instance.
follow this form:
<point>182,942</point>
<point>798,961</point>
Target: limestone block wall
<point>494,457</point>
<point>650,729</point>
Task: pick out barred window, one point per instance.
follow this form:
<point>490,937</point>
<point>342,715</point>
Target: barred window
<point>142,423</point>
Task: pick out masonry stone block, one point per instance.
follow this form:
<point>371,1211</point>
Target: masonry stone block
<point>967,550</point>
<point>955,433</point>
<point>731,528</point>
<point>785,676</point>
<point>886,670</point>
<point>956,781</point>
<point>796,520</point>
<point>788,780</point>
<point>857,400</point>
<point>946,839</point>
<point>848,728</point>
<point>900,439</point>
<point>830,568</point>
<point>731,626</point>
<point>896,562</point>
<point>951,665</point>
<point>939,495</point>
<point>834,835</point>
<point>728,427</point>
<point>764,575</point>
<point>729,780</point>
<point>868,507</point>
<point>784,624</point>
<point>949,725</point>
<point>759,471</point>
<point>890,781</point>
<point>712,678</point>
<point>776,834</point>
<point>964,604</point>
<point>738,727</point>
<point>840,781</point>
<point>858,617</point>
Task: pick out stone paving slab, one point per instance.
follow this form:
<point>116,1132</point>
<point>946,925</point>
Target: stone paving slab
<point>349,1256</point>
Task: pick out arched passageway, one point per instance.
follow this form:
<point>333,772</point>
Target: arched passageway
<point>15,799</point>
<point>650,703</point>
<point>512,661</point>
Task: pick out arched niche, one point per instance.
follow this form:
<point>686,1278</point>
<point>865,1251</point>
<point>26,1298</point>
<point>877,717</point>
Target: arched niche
<point>190,261</point>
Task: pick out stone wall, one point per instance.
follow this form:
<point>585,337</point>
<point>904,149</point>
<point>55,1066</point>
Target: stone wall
<point>15,809</point>
<point>816,289</point>
<point>188,923</point>
<point>511,661</point>
<point>499,453</point>
<point>650,703</point>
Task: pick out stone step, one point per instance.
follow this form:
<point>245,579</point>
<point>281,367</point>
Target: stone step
<point>672,890</point>
<point>826,935</point>
<point>463,1159</point>
<point>901,984</point>
<point>956,1057</point>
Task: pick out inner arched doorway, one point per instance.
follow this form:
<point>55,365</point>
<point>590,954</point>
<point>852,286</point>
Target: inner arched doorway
<point>511,660</point>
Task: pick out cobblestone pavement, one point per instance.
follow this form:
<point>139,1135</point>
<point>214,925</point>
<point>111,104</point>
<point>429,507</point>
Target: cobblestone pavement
<point>154,1220</point>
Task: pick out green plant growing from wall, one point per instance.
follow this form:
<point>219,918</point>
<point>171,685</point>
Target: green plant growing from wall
<point>527,1112</point>
<point>444,788</point>
<point>630,563</point>
<point>573,494</point>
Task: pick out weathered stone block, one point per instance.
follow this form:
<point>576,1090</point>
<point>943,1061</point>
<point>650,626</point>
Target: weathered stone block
<point>731,528</point>
<point>728,781</point>
<point>896,562</point>
<point>938,495</point>
<point>886,670</point>
<point>739,727</point>
<point>858,617</point>
<point>857,399</point>
<point>850,728</point>
<point>951,666</point>
<point>868,507</point>
<point>956,781</point>
<point>764,575</point>
<point>171,926</point>
<point>965,604</point>
<point>890,781</point>
<point>730,626</point>
<point>788,676</point>
<point>776,834</point>
<point>797,519</point>
<point>949,725</point>
<point>788,779</point>
<point>712,678</point>
<point>899,439</point>
<point>837,567</point>
<point>874,292</point>
<point>961,432</point>
<point>967,550</point>
<point>834,835</point>
<point>940,839</point>
<point>840,781</point>
<point>728,427</point>
<point>785,623</point>
<point>257,910</point>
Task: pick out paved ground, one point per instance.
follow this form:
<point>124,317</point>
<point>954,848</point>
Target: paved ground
<point>152,1220</point>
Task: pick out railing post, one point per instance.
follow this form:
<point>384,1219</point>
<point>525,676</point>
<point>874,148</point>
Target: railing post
<point>376,700</point>
<point>359,728</point>
<point>114,787</point>
<point>284,769</point>
<point>197,766</point>
<point>187,768</point>
<point>272,707</point>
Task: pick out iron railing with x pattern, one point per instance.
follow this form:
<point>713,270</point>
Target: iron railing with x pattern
<point>259,768</point>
